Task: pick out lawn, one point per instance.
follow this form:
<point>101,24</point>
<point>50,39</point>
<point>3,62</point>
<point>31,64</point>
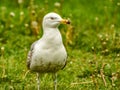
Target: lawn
<point>92,41</point>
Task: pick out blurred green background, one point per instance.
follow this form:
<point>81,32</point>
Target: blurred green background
<point>92,41</point>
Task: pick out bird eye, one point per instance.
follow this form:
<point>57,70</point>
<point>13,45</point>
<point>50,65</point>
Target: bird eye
<point>51,18</point>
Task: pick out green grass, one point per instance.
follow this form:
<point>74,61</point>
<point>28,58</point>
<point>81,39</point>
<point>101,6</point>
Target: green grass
<point>92,41</point>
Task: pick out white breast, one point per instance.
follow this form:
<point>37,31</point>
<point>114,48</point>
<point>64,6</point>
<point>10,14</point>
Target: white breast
<point>48,56</point>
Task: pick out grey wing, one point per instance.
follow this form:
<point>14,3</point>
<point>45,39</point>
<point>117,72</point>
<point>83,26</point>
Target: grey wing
<point>65,63</point>
<point>30,53</point>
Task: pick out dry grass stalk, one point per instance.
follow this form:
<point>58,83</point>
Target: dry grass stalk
<point>81,83</point>
<point>102,74</point>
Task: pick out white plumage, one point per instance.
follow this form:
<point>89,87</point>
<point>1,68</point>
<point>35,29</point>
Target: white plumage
<point>48,54</point>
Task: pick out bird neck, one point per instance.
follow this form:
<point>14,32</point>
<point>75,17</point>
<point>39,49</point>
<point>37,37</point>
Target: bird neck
<point>52,35</point>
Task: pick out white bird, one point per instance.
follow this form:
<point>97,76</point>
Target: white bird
<point>48,54</point>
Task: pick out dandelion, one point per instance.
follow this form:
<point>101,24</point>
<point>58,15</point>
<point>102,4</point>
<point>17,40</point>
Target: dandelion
<point>21,13</point>
<point>2,49</point>
<point>98,75</point>
<point>118,3</point>
<point>20,1</point>
<point>118,55</point>
<point>12,14</point>
<point>104,43</point>
<point>106,35</point>
<point>33,12</point>
<point>11,26</point>
<point>112,26</point>
<point>3,8</point>
<point>107,39</point>
<point>26,25</point>
<point>35,27</point>
<point>71,62</point>
<point>100,36</point>
<point>11,87</point>
<point>34,24</point>
<point>2,26</point>
<point>93,48</point>
<point>106,50</point>
<point>57,4</point>
<point>96,18</point>
<point>114,78</point>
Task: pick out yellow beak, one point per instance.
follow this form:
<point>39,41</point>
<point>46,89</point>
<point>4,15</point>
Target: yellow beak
<point>65,21</point>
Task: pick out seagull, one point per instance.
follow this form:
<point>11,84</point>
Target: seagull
<point>48,54</point>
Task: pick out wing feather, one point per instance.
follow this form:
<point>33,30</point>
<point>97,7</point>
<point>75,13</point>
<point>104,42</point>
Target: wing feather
<point>29,56</point>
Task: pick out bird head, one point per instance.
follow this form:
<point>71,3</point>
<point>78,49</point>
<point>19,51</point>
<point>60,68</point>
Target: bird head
<point>53,20</point>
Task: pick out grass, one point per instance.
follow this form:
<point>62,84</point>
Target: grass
<point>92,41</point>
